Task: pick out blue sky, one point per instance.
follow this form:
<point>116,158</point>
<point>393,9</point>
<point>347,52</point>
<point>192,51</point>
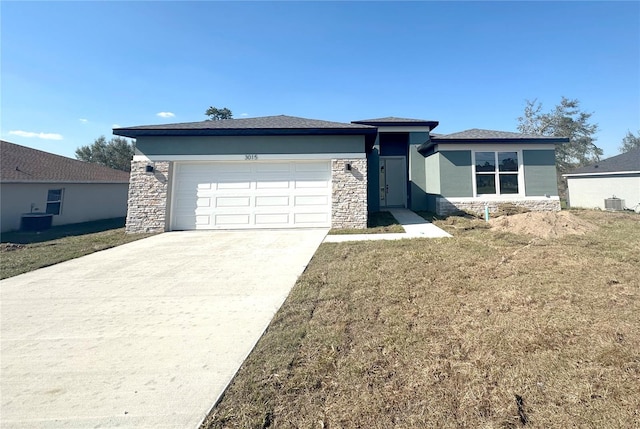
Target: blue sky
<point>70,71</point>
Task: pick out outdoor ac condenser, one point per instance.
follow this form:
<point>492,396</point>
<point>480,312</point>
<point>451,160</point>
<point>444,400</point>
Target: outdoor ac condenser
<point>613,204</point>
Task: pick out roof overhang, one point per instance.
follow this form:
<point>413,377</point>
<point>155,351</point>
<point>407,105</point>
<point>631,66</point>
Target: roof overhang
<point>435,141</point>
<point>394,124</point>
<point>604,173</point>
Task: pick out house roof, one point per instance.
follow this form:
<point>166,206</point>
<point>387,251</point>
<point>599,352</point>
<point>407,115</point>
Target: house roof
<point>624,163</point>
<point>262,126</point>
<point>22,164</point>
<point>280,123</point>
<point>480,134</point>
<point>394,121</point>
<point>477,135</point>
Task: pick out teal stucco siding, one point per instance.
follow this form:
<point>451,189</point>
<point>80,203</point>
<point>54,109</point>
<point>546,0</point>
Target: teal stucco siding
<point>455,173</point>
<point>417,175</point>
<point>540,172</point>
<point>432,178</point>
<point>240,145</point>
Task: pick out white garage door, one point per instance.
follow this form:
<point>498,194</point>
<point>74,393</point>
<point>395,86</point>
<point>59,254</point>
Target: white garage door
<point>230,195</point>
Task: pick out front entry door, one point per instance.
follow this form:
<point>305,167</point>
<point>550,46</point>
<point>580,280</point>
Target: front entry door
<point>393,182</point>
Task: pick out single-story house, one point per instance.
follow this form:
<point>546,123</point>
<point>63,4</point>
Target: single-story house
<point>283,171</point>
<point>36,183</point>
<point>615,177</point>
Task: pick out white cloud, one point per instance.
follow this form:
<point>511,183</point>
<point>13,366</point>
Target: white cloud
<point>83,120</point>
<point>116,126</point>
<point>244,114</point>
<point>30,134</point>
<point>165,114</point>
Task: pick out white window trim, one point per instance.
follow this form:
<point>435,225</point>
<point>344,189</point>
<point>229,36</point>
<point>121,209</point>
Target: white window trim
<point>498,195</point>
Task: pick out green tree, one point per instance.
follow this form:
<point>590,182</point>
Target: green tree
<point>216,114</point>
<point>115,153</point>
<point>565,120</point>
<point>630,142</point>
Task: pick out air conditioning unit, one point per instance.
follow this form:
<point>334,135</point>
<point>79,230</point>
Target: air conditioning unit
<point>613,204</point>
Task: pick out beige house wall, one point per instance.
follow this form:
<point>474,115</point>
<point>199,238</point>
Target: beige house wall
<point>81,202</point>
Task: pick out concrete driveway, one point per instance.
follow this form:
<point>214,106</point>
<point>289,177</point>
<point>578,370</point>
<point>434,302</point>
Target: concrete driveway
<point>147,334</point>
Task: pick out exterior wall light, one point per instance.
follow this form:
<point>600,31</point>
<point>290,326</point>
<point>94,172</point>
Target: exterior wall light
<point>149,169</point>
<point>347,166</point>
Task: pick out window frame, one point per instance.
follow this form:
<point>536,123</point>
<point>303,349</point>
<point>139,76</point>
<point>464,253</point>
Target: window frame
<point>497,173</point>
<point>55,201</point>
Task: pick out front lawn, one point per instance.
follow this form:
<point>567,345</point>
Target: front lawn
<point>487,329</point>
<point>21,252</point>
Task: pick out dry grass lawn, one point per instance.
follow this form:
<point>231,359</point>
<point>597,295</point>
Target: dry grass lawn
<point>488,329</point>
<point>21,252</point>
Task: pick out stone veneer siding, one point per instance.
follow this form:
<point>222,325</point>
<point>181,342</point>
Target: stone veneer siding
<point>349,196</point>
<point>445,207</point>
<point>147,202</point>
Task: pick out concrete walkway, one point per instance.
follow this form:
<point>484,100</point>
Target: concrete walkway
<point>144,335</point>
<point>415,227</point>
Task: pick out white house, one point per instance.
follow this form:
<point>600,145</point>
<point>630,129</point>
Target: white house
<point>618,176</point>
<point>34,182</point>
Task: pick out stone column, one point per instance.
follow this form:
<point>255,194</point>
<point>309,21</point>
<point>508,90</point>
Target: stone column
<point>349,195</point>
<point>147,204</point>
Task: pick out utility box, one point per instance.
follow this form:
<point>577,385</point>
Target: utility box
<point>613,204</point>
<point>35,221</point>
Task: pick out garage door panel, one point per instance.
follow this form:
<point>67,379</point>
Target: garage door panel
<point>203,202</point>
<point>273,184</point>
<point>233,185</point>
<point>314,218</point>
<point>310,200</point>
<point>267,219</point>
<point>229,195</point>
<point>303,184</point>
<point>271,201</point>
<point>203,220</point>
<point>233,201</point>
<point>232,219</point>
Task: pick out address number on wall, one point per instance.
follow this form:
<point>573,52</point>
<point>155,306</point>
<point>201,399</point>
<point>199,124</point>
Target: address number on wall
<point>251,157</point>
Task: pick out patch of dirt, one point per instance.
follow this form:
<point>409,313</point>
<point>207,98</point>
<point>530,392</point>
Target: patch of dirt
<point>8,247</point>
<point>542,224</point>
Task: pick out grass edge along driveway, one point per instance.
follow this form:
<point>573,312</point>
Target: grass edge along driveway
<point>21,252</point>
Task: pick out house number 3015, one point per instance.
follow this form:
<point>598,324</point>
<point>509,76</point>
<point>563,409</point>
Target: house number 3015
<point>251,157</point>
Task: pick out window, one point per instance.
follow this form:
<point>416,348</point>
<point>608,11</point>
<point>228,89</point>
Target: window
<point>496,173</point>
<point>54,201</point>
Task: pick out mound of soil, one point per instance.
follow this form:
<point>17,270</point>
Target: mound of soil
<point>542,224</point>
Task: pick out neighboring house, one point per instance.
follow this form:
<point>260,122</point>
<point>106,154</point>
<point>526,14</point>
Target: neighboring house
<point>618,176</point>
<point>283,171</point>
<point>37,182</point>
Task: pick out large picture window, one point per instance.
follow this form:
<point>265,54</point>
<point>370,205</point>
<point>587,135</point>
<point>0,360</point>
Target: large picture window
<point>496,173</point>
<point>54,201</point>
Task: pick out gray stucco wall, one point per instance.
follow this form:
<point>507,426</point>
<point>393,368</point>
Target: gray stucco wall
<point>455,174</point>
<point>539,172</point>
<point>238,145</point>
<point>417,172</point>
